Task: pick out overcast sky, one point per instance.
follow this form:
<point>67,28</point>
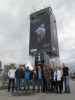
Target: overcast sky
<point>14,28</point>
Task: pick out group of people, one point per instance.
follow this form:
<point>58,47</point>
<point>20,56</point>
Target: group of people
<point>40,79</point>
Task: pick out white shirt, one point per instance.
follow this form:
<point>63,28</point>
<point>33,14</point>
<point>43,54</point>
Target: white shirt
<point>58,73</point>
<point>11,73</point>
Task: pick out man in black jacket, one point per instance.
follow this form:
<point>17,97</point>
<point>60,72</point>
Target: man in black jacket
<point>66,78</point>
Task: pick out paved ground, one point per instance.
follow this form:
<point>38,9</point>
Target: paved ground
<point>4,95</point>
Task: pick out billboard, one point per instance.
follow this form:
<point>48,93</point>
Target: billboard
<point>40,31</point>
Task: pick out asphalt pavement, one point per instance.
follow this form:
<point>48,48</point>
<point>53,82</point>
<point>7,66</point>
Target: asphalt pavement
<point>4,95</point>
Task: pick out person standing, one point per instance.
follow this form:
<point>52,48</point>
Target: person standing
<point>33,80</point>
<point>27,78</point>
<point>39,79</point>
<point>19,77</point>
<point>66,78</point>
<point>47,74</point>
<point>45,89</point>
<point>51,80</point>
<point>57,79</point>
<point>11,76</point>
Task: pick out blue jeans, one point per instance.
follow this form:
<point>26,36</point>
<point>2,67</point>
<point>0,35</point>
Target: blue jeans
<point>19,84</point>
<point>66,83</point>
<point>40,84</point>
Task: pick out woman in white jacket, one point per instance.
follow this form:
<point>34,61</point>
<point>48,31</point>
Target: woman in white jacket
<point>58,79</point>
<point>11,76</point>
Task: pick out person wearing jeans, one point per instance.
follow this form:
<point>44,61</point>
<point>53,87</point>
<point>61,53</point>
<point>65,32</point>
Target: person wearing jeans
<point>27,78</point>
<point>33,80</point>
<point>39,79</point>
<point>66,84</point>
<point>19,74</point>
<point>66,78</point>
<point>17,79</point>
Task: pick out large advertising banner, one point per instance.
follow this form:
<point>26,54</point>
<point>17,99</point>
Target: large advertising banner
<point>40,32</point>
